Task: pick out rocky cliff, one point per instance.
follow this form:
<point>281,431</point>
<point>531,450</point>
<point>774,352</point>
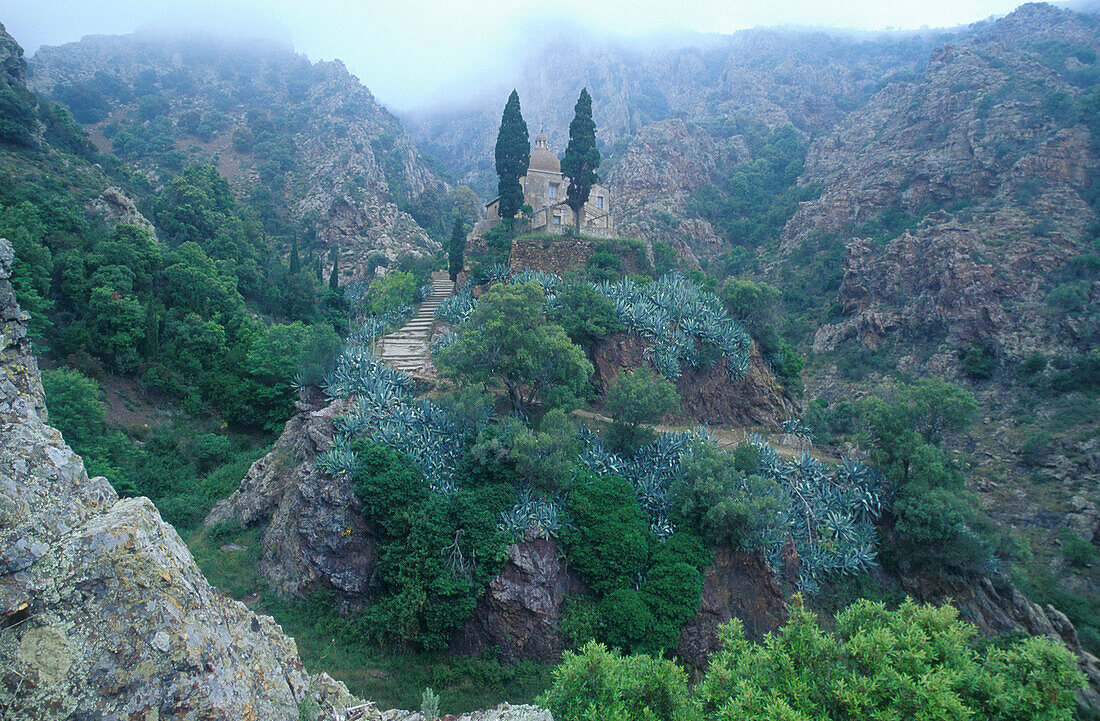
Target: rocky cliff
<point>706,396</point>
<point>103,611</point>
<point>309,138</point>
<point>314,538</point>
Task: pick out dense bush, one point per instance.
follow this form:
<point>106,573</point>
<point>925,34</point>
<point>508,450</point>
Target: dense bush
<point>634,399</point>
<point>436,552</point>
<point>17,118</point>
<point>913,663</point>
<point>598,684</point>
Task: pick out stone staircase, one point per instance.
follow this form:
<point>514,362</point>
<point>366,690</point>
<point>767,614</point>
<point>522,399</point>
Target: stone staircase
<point>408,348</point>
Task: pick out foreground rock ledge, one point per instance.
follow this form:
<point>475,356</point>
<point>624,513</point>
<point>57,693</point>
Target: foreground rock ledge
<point>103,612</point>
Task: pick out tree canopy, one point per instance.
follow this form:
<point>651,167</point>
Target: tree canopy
<point>637,398</point>
<point>513,152</point>
<point>456,251</point>
<point>581,157</point>
<point>917,662</point>
<point>509,338</point>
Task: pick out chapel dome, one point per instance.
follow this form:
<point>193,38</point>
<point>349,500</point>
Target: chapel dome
<point>542,158</point>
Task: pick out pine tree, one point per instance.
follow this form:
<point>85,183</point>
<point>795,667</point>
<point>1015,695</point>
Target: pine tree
<point>334,276</point>
<point>295,261</point>
<point>581,158</point>
<point>456,250</point>
<point>513,152</point>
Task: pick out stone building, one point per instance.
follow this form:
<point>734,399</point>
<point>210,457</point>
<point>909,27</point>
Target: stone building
<point>544,189</point>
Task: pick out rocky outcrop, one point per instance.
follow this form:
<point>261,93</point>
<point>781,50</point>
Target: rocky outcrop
<point>708,396</point>
<point>504,712</point>
<point>345,166</point>
<point>103,611</point>
<point>13,68</point>
<point>735,585</point>
<point>651,185</point>
<point>118,208</point>
<point>520,611</point>
<point>313,531</point>
<point>998,607</point>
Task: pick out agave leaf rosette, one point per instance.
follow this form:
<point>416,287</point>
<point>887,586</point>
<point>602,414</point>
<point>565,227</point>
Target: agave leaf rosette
<point>829,515</point>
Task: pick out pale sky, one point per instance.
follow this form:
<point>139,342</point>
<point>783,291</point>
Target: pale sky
<point>410,51</point>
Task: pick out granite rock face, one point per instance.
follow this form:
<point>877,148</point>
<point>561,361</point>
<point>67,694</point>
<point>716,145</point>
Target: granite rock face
<point>735,585</point>
<point>103,612</point>
<point>118,208</point>
<point>314,534</point>
<point>13,68</point>
<point>520,612</point>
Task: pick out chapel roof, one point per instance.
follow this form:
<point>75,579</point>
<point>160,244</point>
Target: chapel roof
<point>542,158</point>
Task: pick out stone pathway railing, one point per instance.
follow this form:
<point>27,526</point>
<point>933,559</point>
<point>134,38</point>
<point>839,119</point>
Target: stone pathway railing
<point>409,347</point>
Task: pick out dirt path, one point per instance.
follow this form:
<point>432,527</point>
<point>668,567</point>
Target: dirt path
<point>409,347</point>
<point>729,438</point>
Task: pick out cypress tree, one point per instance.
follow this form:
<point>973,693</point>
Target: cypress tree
<point>457,250</point>
<point>317,269</point>
<point>295,261</point>
<point>334,276</point>
<point>581,158</point>
<point>513,152</point>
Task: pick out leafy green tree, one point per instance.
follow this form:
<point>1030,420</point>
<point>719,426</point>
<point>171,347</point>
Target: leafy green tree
<point>398,288</point>
<point>548,459</point>
<point>597,684</point>
<point>934,513</point>
<point>75,408</point>
<point>726,505</point>
<point>634,399</point>
<point>916,663</point>
<point>464,204</point>
<point>582,158</point>
<point>17,118</point>
<point>513,152</point>
<point>117,323</point>
<point>456,251</point>
<point>586,316</point>
<point>508,338</point>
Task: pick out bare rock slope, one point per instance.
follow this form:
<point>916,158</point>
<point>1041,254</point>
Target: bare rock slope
<point>103,612</point>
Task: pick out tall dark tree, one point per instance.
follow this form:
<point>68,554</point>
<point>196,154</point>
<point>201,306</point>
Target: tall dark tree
<point>334,276</point>
<point>295,260</point>
<point>456,250</point>
<point>581,158</point>
<point>513,152</point>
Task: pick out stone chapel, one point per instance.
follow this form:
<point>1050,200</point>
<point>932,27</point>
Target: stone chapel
<point>544,189</point>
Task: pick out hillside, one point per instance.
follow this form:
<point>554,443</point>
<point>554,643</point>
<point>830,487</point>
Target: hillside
<point>306,145</point>
<point>925,203</point>
<point>844,352</point>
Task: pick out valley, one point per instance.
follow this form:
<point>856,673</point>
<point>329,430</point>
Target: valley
<point>821,347</point>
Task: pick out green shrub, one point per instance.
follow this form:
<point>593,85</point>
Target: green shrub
<point>580,621</point>
<point>75,409</point>
<point>727,506</point>
<point>881,664</point>
<point>17,118</point>
<point>609,541</point>
<point>598,684</point>
<point>1078,551</point>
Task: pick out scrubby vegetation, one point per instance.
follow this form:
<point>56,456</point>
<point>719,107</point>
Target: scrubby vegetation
<point>914,662</point>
